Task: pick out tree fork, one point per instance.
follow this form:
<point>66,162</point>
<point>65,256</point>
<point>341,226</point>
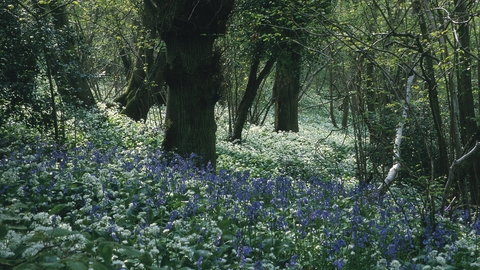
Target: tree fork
<point>253,84</point>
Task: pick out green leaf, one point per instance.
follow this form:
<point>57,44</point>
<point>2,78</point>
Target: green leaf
<point>105,250</point>
<point>77,266</point>
<point>9,217</point>
<point>58,208</point>
<point>54,265</point>
<point>101,234</point>
<point>130,251</point>
<point>151,216</point>
<point>19,227</point>
<point>20,206</point>
<point>224,224</point>
<point>99,266</point>
<point>25,266</point>
<point>3,230</point>
<point>37,237</point>
<point>131,215</point>
<point>146,259</point>
<point>202,253</point>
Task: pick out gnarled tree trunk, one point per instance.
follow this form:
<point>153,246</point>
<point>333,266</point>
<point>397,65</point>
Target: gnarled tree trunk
<point>192,73</point>
<point>145,87</point>
<point>146,82</point>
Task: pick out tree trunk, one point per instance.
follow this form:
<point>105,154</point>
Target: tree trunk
<point>429,75</point>
<point>331,90</point>
<point>465,95</point>
<point>286,88</point>
<point>192,72</point>
<point>145,87</point>
<point>146,82</point>
<point>345,108</point>
<point>392,173</point>
<point>192,94</point>
<point>253,84</point>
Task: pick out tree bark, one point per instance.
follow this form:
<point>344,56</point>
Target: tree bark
<point>331,90</point>
<point>286,88</point>
<point>392,173</point>
<point>465,94</point>
<point>190,121</point>
<point>192,72</point>
<point>146,82</point>
<point>253,84</point>
<point>146,85</point>
<point>428,72</point>
<point>455,171</point>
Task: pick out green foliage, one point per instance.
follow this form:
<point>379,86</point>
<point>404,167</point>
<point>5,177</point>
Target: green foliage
<point>109,32</point>
<point>20,47</point>
<point>265,25</point>
<point>314,151</point>
<point>91,202</point>
<point>123,204</point>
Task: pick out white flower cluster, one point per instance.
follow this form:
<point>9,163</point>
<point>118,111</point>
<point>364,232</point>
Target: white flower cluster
<point>476,264</point>
<point>314,146</point>
<point>94,184</point>
<point>32,250</point>
<point>41,223</point>
<point>11,241</point>
<point>464,244</point>
<point>10,176</point>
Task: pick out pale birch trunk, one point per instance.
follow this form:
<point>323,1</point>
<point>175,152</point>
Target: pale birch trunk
<point>398,140</point>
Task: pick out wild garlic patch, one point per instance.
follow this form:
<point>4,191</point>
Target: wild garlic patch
<point>278,201</point>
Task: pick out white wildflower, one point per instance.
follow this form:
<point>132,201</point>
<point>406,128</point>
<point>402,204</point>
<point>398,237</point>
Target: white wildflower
<point>395,265</point>
<point>382,264</point>
<point>33,250</point>
<point>120,263</point>
<point>440,260</point>
<point>154,251</point>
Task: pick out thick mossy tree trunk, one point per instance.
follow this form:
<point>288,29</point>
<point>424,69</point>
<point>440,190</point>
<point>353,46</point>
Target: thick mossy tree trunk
<point>286,88</point>
<point>192,73</point>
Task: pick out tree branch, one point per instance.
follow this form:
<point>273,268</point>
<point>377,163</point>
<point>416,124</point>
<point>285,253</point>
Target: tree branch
<point>459,163</point>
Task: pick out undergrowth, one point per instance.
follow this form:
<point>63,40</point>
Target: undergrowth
<point>109,198</point>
